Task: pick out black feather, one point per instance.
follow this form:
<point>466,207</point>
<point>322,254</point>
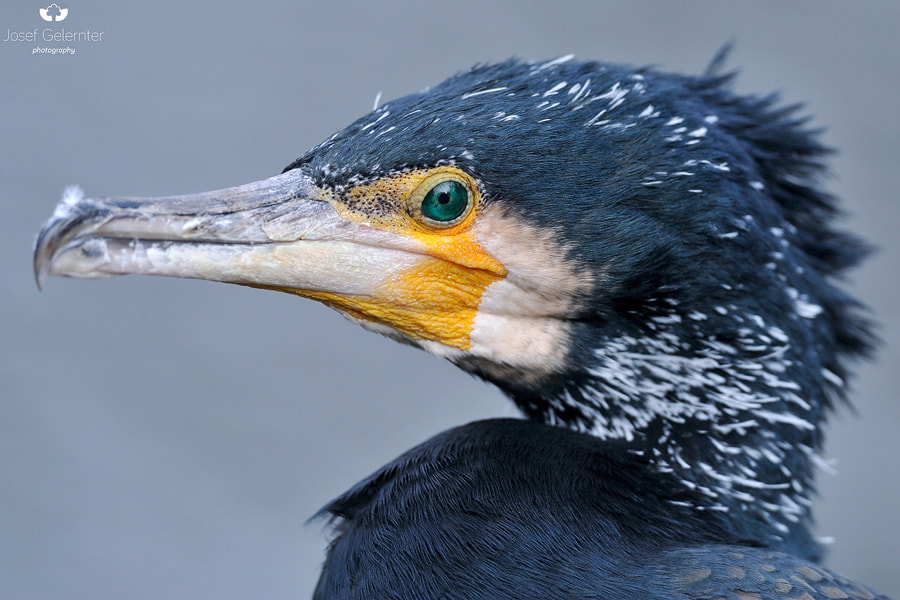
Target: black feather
<point>515,509</point>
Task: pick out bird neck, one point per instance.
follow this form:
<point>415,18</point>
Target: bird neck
<point>480,511</point>
<point>733,415</point>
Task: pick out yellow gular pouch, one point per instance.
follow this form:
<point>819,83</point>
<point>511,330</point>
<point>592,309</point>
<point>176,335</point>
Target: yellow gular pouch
<point>432,213</point>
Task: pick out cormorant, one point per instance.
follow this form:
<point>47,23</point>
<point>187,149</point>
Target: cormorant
<point>641,258</point>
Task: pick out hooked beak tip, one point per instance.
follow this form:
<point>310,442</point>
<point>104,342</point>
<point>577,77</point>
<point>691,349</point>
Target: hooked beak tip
<point>72,209</point>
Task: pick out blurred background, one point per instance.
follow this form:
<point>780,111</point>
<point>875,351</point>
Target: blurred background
<point>168,438</point>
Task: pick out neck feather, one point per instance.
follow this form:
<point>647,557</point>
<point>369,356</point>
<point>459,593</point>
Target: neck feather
<point>735,416</point>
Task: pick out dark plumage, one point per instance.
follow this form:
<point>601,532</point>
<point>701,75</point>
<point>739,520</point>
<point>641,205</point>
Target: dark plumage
<point>696,219</point>
<point>516,509</point>
<point>644,257</point>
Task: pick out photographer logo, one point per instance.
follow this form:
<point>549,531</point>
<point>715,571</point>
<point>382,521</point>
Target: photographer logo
<point>54,13</point>
<point>46,40</point>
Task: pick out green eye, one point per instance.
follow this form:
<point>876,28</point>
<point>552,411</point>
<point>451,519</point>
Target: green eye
<point>446,202</point>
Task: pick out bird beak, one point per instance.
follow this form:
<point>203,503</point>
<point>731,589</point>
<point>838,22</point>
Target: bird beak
<point>224,235</point>
<point>281,233</point>
<point>278,233</point>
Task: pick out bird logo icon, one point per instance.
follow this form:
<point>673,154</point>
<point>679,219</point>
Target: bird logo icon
<point>54,13</point>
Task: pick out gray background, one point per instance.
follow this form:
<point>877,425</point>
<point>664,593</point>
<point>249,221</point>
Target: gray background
<point>168,439</point>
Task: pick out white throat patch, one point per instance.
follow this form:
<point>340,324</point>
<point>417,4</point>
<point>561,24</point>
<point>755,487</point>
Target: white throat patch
<point>521,324</point>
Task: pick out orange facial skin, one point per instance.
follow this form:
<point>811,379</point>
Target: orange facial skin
<point>437,298</point>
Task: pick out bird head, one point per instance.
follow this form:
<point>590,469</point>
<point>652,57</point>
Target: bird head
<point>640,255</point>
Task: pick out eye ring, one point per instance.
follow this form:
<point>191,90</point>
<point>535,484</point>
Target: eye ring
<point>442,201</point>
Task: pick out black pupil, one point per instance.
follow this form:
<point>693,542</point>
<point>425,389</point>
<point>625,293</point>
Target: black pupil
<point>445,202</point>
